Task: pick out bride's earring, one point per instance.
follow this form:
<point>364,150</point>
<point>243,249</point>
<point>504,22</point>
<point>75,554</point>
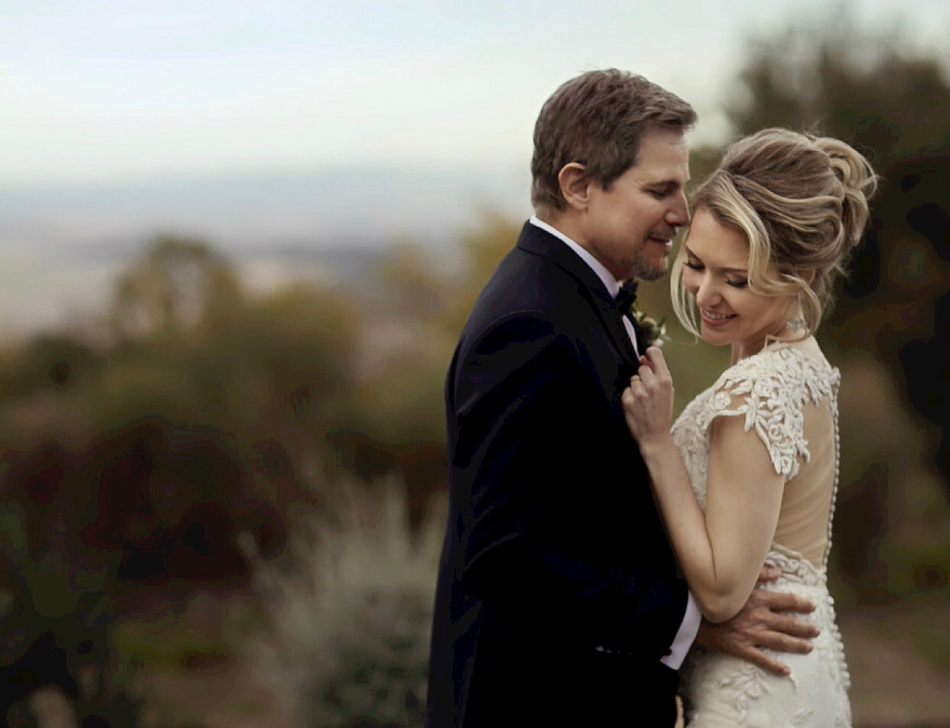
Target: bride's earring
<point>797,324</point>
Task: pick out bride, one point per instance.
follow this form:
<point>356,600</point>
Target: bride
<point>749,471</point>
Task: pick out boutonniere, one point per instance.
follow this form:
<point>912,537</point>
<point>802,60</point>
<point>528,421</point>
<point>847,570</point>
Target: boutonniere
<point>654,332</point>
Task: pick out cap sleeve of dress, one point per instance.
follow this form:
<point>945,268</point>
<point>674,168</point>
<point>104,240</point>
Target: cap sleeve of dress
<point>769,391</point>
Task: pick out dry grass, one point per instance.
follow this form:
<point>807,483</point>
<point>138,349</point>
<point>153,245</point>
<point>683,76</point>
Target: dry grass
<point>351,611</point>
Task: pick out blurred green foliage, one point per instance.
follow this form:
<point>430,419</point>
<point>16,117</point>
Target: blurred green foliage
<point>866,89</point>
<point>891,327</point>
<point>199,427</point>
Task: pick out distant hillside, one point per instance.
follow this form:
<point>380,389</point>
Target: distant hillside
<point>247,213</point>
<point>60,247</point>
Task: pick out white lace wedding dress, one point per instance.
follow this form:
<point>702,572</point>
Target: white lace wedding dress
<point>789,398</point>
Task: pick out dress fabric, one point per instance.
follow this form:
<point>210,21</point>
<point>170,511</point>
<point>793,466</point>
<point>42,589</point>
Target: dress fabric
<point>771,391</point>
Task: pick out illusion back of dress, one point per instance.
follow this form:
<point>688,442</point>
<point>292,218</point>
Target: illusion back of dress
<point>807,501</point>
<point>786,396</point>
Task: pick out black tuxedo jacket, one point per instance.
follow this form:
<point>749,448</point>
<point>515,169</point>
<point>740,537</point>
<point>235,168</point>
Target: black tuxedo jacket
<point>558,592</point>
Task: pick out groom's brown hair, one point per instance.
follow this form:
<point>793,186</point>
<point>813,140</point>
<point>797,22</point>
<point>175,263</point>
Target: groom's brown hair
<point>597,120</point>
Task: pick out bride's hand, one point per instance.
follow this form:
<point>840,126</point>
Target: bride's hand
<point>648,401</point>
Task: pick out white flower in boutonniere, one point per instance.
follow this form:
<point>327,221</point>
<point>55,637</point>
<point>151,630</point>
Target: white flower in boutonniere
<point>653,331</point>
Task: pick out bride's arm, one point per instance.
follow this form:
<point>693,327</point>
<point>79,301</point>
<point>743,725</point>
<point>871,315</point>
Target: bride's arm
<point>721,552</point>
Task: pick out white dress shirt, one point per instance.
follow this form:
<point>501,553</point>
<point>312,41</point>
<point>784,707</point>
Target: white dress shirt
<point>690,624</point>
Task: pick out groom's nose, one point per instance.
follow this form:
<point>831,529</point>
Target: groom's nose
<point>678,214</point>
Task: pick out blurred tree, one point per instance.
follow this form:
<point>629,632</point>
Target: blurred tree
<point>834,77</point>
<point>838,79</point>
<point>413,319</point>
<point>177,282</point>
<point>188,434</point>
<point>50,360</point>
<point>203,414</point>
<point>482,250</point>
<point>413,284</point>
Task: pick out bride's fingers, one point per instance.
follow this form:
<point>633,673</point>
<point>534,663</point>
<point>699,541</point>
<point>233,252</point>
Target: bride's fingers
<point>627,397</point>
<point>655,357</point>
<point>646,376</point>
<point>643,384</point>
<point>636,386</point>
<point>654,371</point>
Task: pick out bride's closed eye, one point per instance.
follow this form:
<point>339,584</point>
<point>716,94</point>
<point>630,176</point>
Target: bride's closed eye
<point>735,282</point>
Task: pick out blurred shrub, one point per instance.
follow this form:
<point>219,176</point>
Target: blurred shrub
<point>351,610</point>
<point>876,91</point>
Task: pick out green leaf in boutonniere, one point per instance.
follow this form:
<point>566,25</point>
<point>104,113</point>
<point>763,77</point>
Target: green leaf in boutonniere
<point>654,332</point>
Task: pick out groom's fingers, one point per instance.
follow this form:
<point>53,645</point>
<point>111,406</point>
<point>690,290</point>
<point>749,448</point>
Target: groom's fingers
<point>769,573</point>
<point>784,602</point>
<point>793,626</point>
<point>782,642</point>
<point>769,664</point>
<point>779,621</point>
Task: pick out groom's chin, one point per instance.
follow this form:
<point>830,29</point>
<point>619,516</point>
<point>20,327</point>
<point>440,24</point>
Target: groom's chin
<point>652,273</point>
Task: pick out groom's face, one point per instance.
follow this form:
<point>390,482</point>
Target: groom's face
<point>630,226</point>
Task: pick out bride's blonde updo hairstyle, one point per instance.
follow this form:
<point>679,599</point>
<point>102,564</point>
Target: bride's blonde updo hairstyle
<point>801,202</point>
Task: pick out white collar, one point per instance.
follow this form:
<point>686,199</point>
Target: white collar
<point>613,286</point>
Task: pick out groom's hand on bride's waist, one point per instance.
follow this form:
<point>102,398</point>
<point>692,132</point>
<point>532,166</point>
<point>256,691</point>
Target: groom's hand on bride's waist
<point>763,623</point>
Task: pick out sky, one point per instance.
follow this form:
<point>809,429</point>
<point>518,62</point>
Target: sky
<point>95,92</point>
<point>114,95</point>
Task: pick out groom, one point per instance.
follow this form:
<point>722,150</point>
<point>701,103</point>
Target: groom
<point>558,600</point>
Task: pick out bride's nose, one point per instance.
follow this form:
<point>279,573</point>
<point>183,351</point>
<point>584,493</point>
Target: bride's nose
<point>706,292</point>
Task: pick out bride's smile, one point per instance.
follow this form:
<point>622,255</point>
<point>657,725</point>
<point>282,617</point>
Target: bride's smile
<point>713,318</point>
<point>716,275</point>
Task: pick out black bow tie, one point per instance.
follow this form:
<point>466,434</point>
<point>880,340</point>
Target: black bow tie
<point>626,296</point>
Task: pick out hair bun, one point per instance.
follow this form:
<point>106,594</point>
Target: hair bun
<point>858,184</point>
<point>801,201</point>
<point>849,165</point>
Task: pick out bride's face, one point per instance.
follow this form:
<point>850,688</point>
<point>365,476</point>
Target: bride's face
<point>716,275</point>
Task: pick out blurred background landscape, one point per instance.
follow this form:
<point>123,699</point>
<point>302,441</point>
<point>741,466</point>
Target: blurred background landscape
<point>236,248</point>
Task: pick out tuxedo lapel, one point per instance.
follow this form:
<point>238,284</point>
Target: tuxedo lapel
<point>638,331</point>
<point>539,242</point>
<point>618,334</point>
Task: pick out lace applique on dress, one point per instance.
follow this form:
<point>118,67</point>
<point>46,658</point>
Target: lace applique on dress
<point>769,391</point>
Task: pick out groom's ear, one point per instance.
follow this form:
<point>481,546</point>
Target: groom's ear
<point>575,185</point>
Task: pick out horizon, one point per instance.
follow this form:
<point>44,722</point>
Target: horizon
<point>227,121</point>
<point>63,247</point>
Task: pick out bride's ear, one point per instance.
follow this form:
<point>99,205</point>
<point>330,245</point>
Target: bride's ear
<point>575,185</point>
